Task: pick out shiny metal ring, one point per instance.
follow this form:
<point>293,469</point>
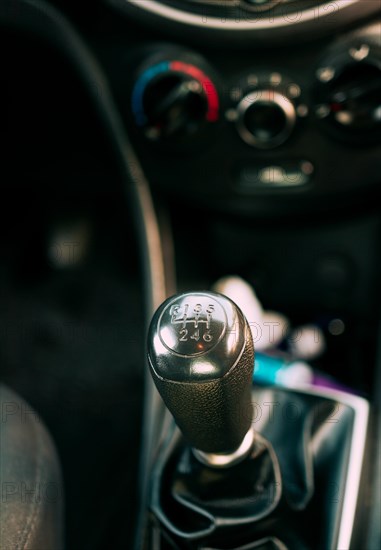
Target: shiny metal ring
<point>269,97</point>
<point>217,460</point>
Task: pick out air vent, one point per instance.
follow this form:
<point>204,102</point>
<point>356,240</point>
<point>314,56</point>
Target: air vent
<point>251,5</point>
<point>263,21</point>
<point>231,7</point>
<point>255,11</point>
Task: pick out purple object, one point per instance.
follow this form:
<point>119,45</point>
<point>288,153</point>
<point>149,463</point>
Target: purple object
<point>322,381</point>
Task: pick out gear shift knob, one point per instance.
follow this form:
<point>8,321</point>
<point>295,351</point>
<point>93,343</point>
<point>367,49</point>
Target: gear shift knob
<point>201,356</point>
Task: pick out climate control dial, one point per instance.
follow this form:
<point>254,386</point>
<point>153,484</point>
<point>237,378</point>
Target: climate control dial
<point>265,118</point>
<point>268,108</point>
<point>348,91</point>
<point>173,100</point>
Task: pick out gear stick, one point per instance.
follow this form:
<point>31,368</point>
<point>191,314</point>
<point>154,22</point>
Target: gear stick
<point>201,356</point>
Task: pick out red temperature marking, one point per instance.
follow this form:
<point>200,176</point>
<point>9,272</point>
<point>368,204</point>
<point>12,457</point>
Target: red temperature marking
<point>207,84</point>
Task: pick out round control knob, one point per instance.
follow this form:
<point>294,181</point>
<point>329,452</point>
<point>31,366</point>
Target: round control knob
<point>174,100</point>
<point>348,91</point>
<point>201,357</point>
<point>266,118</point>
<point>351,100</point>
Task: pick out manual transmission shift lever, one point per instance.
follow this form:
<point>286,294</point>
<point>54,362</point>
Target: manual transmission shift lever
<point>201,356</point>
<point>200,352</point>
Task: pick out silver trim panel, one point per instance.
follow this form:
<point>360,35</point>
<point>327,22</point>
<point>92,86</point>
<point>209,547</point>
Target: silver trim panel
<point>356,457</point>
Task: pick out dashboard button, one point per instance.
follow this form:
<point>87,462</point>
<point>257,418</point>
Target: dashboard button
<point>265,119</point>
<point>254,176</point>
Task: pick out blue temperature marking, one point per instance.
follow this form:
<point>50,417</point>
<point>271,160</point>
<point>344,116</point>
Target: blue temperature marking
<point>138,91</point>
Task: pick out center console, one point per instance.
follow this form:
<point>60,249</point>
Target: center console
<point>251,468</point>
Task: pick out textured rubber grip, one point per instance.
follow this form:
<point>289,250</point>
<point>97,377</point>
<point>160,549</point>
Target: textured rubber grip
<point>201,356</point>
